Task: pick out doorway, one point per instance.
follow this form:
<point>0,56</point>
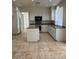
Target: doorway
<point>26,19</point>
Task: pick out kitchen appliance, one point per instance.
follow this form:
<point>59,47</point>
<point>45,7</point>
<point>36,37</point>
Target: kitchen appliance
<point>38,22</point>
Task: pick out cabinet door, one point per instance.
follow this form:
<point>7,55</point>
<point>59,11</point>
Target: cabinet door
<point>48,28</point>
<point>60,34</point>
<point>53,31</point>
<point>54,34</point>
<point>44,28</point>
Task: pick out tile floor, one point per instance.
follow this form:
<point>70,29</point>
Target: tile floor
<point>45,48</point>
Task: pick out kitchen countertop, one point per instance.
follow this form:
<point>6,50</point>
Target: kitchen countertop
<point>43,24</point>
<point>33,27</point>
<point>50,23</point>
<point>58,27</point>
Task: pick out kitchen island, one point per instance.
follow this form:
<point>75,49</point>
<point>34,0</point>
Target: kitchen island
<point>33,34</point>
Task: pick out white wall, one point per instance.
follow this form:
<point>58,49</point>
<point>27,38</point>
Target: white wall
<point>22,22</point>
<point>64,13</point>
<point>52,13</point>
<point>38,11</point>
<point>14,20</point>
<point>26,19</point>
<point>18,20</point>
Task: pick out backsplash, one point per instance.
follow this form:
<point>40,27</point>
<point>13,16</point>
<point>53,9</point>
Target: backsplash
<point>50,22</point>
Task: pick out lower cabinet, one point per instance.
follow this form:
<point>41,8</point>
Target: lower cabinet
<point>57,34</point>
<point>61,34</point>
<point>33,34</point>
<point>52,31</point>
<point>44,28</point>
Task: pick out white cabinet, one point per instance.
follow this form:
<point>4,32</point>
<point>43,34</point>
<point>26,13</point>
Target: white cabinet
<point>44,28</point>
<point>52,31</point>
<point>32,34</point>
<point>58,34</point>
<point>61,34</point>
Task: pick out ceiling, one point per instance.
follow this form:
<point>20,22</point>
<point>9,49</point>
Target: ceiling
<point>29,3</point>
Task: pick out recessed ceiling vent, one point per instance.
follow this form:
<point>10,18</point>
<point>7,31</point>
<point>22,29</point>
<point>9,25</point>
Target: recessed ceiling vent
<point>35,3</point>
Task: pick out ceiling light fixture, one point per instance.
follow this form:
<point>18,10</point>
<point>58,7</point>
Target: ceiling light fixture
<point>50,0</point>
<point>32,0</point>
<point>14,0</point>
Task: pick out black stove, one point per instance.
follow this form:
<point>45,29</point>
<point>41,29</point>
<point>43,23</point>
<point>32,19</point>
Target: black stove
<point>38,21</point>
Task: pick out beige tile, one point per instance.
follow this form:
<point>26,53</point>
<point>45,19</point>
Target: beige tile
<point>45,48</point>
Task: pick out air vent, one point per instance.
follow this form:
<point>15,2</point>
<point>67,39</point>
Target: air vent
<point>35,3</point>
